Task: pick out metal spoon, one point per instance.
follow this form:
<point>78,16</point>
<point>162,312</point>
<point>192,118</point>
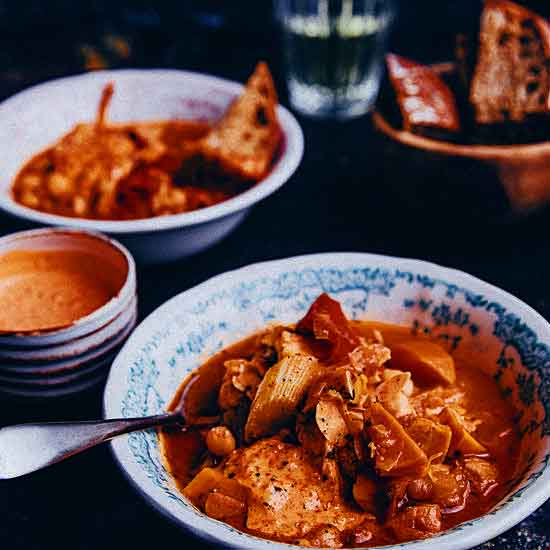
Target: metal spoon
<point>25,448</point>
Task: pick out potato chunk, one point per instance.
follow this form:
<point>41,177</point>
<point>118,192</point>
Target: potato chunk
<point>226,508</point>
<point>279,394</point>
<point>395,452</point>
<point>427,362</point>
<point>462,441</point>
<point>416,522</point>
<point>483,475</point>
<point>433,438</point>
<point>208,480</point>
<point>448,487</point>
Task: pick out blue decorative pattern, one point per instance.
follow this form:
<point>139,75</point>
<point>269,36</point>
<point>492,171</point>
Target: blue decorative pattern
<point>445,310</point>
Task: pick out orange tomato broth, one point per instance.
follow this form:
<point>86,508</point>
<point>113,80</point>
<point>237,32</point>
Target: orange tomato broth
<point>51,289</point>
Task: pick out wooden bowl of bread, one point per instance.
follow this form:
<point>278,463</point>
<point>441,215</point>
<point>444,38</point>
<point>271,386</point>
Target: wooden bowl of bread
<point>478,125</point>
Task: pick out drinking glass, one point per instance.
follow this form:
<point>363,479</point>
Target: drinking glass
<point>334,53</point>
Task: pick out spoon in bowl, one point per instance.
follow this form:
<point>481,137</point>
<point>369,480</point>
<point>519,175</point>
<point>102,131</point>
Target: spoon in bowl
<point>25,448</point>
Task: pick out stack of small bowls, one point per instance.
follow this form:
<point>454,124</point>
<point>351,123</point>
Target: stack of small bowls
<point>77,357</point>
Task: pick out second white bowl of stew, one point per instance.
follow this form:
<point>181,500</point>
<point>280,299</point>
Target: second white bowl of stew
<point>340,400</point>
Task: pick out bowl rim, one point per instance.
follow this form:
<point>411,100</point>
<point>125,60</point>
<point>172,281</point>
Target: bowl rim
<point>473,533</point>
<point>282,170</point>
<point>94,321</point>
<point>481,152</point>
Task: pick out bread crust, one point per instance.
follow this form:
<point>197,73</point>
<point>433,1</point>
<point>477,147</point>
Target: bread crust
<point>512,75</point>
<point>424,99</point>
<point>244,142</point>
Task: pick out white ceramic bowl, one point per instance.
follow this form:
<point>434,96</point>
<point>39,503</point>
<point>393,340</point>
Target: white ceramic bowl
<point>35,118</point>
<point>70,356</point>
<point>32,370</point>
<point>74,351</point>
<point>511,341</point>
<point>66,361</point>
<point>110,256</point>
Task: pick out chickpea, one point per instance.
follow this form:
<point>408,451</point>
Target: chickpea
<point>79,205</point>
<point>28,198</point>
<point>32,181</point>
<point>220,441</point>
<point>59,185</point>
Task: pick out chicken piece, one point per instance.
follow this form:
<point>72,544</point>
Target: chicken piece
<point>420,489</point>
<point>483,475</point>
<point>369,532</point>
<point>325,536</point>
<point>431,403</point>
<point>427,362</point>
<point>462,441</point>
<point>394,394</point>
<point>330,421</point>
<point>369,359</point>
<point>446,486</point>
<point>433,438</point>
<point>241,378</point>
<point>395,453</point>
<point>288,493</point>
<point>281,390</point>
<point>226,508</point>
<point>416,522</point>
<point>365,492</point>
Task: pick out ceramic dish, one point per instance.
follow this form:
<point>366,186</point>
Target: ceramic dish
<point>511,340</point>
<point>110,256</point>
<point>52,374</point>
<point>68,360</point>
<point>19,393</point>
<point>74,351</point>
<point>37,117</point>
<point>75,362</point>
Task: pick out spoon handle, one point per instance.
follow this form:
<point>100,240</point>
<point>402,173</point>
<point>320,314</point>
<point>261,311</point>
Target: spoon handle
<point>25,448</point>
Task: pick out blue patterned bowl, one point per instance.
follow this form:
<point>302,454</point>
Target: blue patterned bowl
<point>511,340</point>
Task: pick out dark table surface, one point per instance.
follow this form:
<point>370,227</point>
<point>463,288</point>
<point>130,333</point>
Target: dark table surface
<point>339,200</point>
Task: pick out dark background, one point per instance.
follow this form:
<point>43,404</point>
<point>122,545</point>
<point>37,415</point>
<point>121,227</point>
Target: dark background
<point>340,199</point>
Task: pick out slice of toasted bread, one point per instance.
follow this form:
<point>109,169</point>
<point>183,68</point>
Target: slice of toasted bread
<point>425,101</point>
<point>512,74</point>
<point>244,141</point>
